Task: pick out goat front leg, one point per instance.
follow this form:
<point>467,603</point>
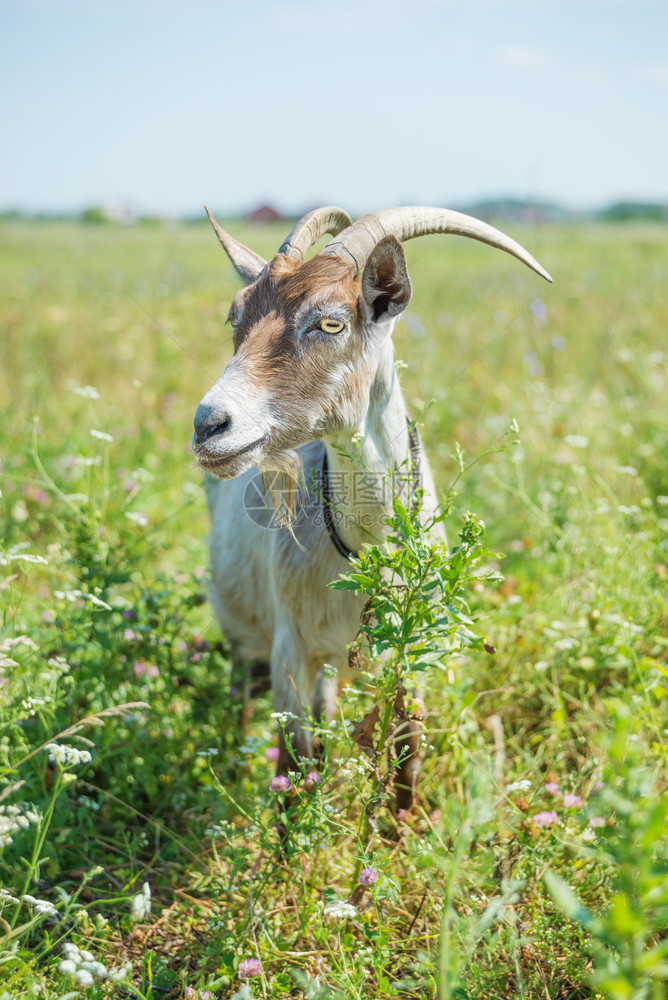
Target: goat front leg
<point>408,736</point>
<point>294,688</point>
<point>407,739</point>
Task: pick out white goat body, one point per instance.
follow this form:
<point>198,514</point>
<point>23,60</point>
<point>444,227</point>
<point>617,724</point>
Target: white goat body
<point>312,383</point>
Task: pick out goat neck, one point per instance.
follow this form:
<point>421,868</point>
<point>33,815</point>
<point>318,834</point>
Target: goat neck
<point>367,463</point>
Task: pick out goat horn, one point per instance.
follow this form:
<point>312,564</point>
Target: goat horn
<point>357,242</point>
<point>247,262</point>
<point>309,230</point>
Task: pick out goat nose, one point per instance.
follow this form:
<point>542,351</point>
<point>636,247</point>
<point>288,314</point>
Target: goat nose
<point>208,424</point>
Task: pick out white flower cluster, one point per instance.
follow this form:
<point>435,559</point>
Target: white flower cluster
<point>244,992</point>
<point>140,905</point>
<point>576,440</point>
<point>86,391</point>
<point>101,436</point>
<point>338,910</point>
<point>137,518</point>
<point>28,557</point>
<point>42,906</point>
<point>12,819</point>
<point>523,785</point>
<point>18,640</point>
<point>85,969</point>
<point>30,704</point>
<point>142,475</point>
<point>223,828</point>
<point>80,595</point>
<point>59,665</point>
<point>65,756</point>
<point>7,644</point>
<point>283,717</point>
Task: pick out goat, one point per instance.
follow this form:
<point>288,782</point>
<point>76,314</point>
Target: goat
<point>312,376</point>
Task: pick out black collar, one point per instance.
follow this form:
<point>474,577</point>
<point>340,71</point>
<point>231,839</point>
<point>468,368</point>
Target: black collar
<point>335,537</point>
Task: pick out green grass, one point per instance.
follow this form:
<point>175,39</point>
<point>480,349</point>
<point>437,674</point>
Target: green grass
<point>575,693</point>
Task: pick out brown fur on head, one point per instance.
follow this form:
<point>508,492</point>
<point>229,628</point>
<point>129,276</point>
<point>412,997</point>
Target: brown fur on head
<point>305,336</point>
<point>279,344</point>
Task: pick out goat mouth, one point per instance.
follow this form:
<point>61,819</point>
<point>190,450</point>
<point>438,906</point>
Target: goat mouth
<point>215,462</point>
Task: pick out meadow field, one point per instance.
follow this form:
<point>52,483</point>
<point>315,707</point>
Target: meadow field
<point>145,861</point>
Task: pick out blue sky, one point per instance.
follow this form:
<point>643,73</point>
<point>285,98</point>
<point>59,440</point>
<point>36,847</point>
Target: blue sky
<point>362,103</point>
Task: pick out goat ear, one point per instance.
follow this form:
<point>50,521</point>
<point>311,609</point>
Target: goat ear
<point>386,287</point>
<point>246,263</point>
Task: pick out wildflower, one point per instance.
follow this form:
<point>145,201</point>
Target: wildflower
<point>97,602</point>
<point>572,801</point>
<point>271,753</point>
<point>598,786</point>
<point>338,910</point>
<point>280,783</point>
<point>40,905</point>
<point>576,440</point>
<point>626,470</point>
<point>95,968</point>
<point>545,818</point>
<point>567,643</point>
<point>28,557</point>
<point>116,975</point>
<point>596,821</point>
<point>86,392</point>
<point>153,671</point>
<point>65,756</point>
<point>139,668</point>
<point>67,967</point>
<point>142,475</point>
<point>12,819</point>
<point>523,785</point>
<point>101,436</point>
<point>140,519</point>
<point>552,788</point>
<point>249,967</point>
<point>84,977</point>
<point>368,876</point>
<point>141,903</point>
<point>312,779</point>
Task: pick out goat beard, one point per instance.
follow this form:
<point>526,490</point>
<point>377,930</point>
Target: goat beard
<point>282,477</point>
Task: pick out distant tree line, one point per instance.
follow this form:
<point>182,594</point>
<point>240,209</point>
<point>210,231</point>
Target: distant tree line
<point>490,210</point>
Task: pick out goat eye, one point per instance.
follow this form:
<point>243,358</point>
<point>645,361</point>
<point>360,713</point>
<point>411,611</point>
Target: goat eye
<point>331,326</point>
